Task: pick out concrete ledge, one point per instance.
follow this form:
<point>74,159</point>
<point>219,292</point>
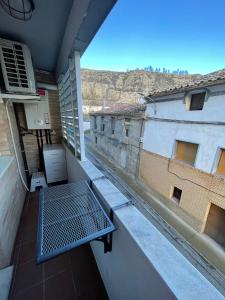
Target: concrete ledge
<point>92,172</point>
<point>109,193</point>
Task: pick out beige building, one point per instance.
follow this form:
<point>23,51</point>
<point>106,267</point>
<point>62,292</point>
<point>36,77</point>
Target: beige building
<point>183,155</point>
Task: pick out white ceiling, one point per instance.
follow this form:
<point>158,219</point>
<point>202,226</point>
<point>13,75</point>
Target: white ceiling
<point>56,28</point>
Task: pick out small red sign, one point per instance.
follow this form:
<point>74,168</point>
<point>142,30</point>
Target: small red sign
<point>41,92</point>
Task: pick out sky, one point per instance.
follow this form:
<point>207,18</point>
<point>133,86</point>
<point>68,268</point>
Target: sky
<point>189,35</point>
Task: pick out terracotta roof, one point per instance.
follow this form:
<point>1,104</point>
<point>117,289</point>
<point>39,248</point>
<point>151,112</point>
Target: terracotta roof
<point>201,82</point>
<point>122,109</point>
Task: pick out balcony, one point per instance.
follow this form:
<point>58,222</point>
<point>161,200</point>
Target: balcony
<point>73,275</point>
<point>142,263</point>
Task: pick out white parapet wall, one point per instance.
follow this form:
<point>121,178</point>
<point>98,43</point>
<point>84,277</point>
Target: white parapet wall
<point>143,264</point>
<point>12,195</point>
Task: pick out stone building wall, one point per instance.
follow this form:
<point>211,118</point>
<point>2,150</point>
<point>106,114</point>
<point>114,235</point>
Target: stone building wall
<point>121,149</point>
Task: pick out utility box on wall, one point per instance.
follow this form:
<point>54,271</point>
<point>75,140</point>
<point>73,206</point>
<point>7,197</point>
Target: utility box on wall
<point>37,113</point>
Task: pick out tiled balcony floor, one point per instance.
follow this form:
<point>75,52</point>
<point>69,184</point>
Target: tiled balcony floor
<point>73,275</point>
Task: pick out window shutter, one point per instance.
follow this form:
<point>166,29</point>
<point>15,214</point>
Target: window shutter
<point>71,106</point>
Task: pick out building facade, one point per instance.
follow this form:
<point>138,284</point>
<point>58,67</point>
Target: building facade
<point>183,155</point>
<point>117,133</point>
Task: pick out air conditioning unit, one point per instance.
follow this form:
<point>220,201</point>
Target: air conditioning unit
<point>17,68</point>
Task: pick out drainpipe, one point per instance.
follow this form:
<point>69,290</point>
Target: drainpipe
<point>139,148</point>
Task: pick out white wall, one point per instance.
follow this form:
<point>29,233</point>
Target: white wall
<point>160,136</point>
<point>143,264</point>
<point>12,195</point>
<point>213,109</point>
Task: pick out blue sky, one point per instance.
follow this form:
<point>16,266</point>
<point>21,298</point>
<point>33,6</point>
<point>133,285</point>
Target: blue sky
<point>172,34</point>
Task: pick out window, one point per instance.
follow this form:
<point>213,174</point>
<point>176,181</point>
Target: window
<point>127,124</point>
<point>186,152</point>
<point>96,140</point>
<point>102,124</point>
<point>113,125</point>
<point>215,224</point>
<point>176,196</point>
<point>197,101</point>
<point>95,123</point>
<point>221,163</point>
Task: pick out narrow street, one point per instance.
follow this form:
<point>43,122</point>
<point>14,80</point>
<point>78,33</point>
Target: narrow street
<point>208,270</point>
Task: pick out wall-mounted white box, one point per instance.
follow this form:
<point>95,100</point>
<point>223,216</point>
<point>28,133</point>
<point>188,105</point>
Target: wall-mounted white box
<point>37,113</point>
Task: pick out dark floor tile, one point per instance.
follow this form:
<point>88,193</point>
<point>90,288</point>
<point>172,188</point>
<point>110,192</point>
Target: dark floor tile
<point>80,255</point>
<point>27,275</point>
<point>87,278</point>
<point>27,252</point>
<point>94,294</point>
<point>85,271</point>
<point>60,287</point>
<point>19,236</point>
<point>29,233</point>
<point>15,255</point>
<point>56,265</point>
<point>32,293</point>
<point>30,218</point>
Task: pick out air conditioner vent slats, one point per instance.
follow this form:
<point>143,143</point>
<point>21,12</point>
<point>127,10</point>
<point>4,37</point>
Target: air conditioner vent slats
<point>17,67</point>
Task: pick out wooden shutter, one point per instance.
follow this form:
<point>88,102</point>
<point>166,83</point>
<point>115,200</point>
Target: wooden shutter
<point>221,164</point>
<point>186,152</point>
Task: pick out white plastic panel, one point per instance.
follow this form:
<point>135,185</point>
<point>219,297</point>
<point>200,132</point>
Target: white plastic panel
<point>37,113</point>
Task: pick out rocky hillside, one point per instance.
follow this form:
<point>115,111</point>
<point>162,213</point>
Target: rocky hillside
<point>123,87</point>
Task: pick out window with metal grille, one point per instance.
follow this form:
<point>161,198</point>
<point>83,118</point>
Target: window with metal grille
<point>197,101</point>
<point>186,152</point>
<point>221,163</point>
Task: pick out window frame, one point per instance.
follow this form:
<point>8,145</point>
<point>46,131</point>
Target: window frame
<point>113,125</point>
<point>220,150</point>
<point>174,199</point>
<point>127,126</point>
<point>102,124</point>
<point>95,122</point>
<point>188,99</point>
<point>183,161</point>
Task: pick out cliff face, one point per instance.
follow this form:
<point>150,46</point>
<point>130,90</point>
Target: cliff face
<point>123,87</point>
